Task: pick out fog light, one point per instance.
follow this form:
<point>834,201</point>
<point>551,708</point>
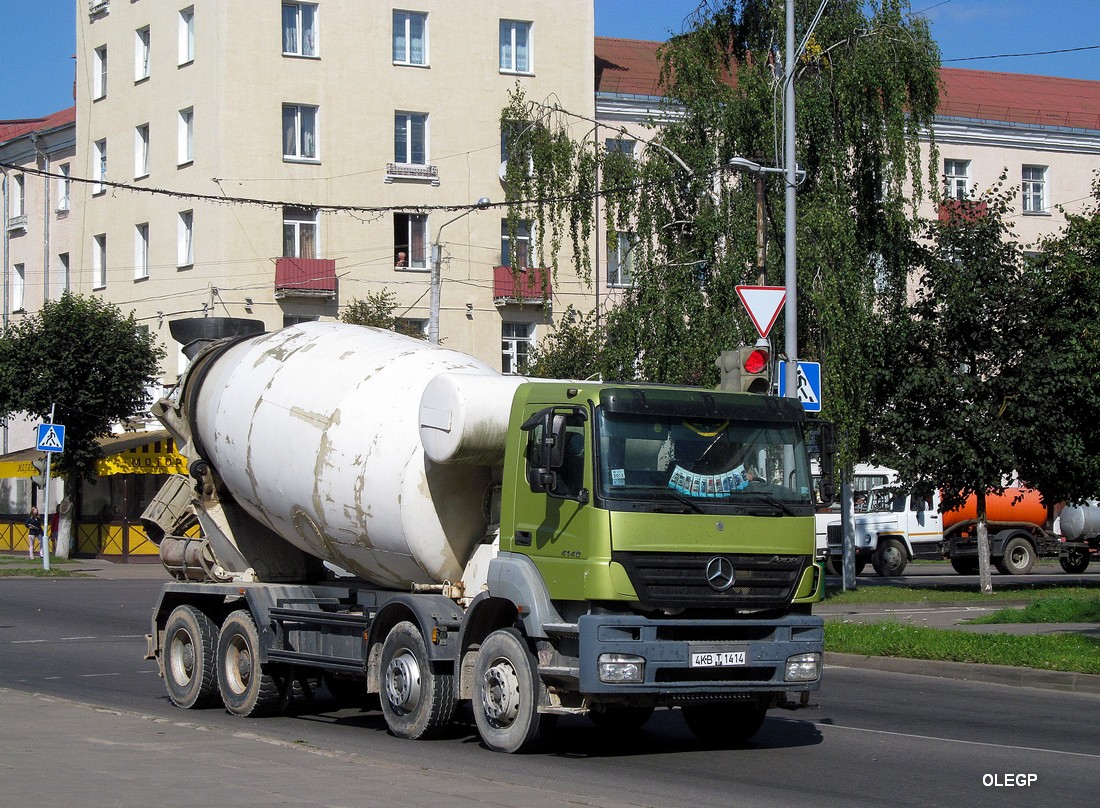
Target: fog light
<point>803,668</point>
<point>621,668</point>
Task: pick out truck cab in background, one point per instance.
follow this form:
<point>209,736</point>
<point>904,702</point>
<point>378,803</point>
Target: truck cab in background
<point>896,527</point>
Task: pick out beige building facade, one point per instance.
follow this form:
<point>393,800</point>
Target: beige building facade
<point>280,160</point>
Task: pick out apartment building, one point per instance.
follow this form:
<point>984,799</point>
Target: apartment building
<point>280,160</point>
<point>1043,132</point>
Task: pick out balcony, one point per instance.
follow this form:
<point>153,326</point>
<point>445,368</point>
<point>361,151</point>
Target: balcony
<point>16,223</point>
<point>97,6</point>
<point>305,277</point>
<point>521,286</point>
<point>414,172</point>
<point>962,210</point>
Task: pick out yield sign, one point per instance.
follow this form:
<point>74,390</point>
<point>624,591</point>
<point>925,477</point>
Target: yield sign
<point>763,304</point>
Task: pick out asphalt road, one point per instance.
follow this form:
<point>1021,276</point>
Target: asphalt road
<point>873,738</point>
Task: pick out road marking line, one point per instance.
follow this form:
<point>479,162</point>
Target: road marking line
<point>64,639</point>
<point>97,675</point>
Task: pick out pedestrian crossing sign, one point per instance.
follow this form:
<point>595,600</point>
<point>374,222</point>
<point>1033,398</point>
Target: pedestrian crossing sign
<point>51,437</point>
<point>808,380</point>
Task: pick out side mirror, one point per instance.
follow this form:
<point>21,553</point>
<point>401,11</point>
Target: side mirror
<point>822,441</point>
<point>546,452</point>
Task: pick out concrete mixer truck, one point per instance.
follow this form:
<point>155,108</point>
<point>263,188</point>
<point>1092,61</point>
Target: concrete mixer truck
<point>400,523</point>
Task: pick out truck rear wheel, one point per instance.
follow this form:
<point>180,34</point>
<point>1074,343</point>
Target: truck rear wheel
<point>416,702</point>
<point>190,658</point>
<point>507,691</point>
<point>965,566</point>
<point>1074,561</point>
<point>725,724</point>
<point>1017,558</point>
<point>246,688</point>
<point>890,558</point>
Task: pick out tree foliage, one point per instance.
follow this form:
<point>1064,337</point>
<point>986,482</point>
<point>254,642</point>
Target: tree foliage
<point>83,356</point>
<point>377,311</point>
<point>865,88</point>
<point>570,351</point>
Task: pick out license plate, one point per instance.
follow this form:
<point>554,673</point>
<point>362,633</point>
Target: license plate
<point>718,659</point>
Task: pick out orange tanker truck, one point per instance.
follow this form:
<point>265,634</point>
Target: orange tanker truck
<point>1019,532</point>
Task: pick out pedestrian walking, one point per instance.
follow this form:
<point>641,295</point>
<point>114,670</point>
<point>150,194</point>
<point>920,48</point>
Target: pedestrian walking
<point>34,531</point>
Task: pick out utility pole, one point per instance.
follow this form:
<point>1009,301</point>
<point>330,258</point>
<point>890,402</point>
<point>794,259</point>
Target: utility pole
<point>790,312</point>
<point>437,276</point>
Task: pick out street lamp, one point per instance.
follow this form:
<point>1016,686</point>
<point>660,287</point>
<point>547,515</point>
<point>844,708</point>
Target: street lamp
<point>437,255</point>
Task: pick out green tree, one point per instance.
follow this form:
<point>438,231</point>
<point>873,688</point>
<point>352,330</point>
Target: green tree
<point>377,311</point>
<point>83,356</point>
<point>571,351</point>
<point>1057,395</point>
<point>866,86</point>
<point>954,356</point>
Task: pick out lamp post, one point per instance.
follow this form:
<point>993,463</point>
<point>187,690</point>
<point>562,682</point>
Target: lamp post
<point>437,256</point>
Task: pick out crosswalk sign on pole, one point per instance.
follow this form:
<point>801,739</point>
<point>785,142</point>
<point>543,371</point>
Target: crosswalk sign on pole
<point>51,438</point>
<point>809,384</point>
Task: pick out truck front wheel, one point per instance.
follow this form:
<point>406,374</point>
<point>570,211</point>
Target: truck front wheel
<point>1017,558</point>
<point>1074,561</point>
<point>725,724</point>
<point>890,558</point>
<point>507,691</point>
<point>247,689</point>
<point>416,702</point>
<point>190,658</point>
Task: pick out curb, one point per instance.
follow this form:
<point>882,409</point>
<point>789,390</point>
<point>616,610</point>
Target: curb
<point>972,671</point>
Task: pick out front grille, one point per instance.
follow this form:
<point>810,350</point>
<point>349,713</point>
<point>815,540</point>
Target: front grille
<point>679,580</point>
<point>666,675</point>
<point>835,535</point>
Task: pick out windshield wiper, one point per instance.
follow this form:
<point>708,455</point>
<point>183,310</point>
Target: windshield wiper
<point>684,499</point>
<point>772,500</point>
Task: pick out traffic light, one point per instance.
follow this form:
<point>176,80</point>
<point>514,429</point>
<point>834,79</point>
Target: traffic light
<point>39,479</point>
<point>745,370</point>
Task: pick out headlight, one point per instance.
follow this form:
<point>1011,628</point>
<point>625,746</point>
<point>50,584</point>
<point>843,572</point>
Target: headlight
<point>867,539</point>
<point>803,668</point>
<point>617,668</point>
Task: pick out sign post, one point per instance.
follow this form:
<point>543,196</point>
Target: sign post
<point>51,440</point>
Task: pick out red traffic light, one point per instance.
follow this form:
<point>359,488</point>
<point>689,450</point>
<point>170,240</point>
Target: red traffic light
<point>756,361</point>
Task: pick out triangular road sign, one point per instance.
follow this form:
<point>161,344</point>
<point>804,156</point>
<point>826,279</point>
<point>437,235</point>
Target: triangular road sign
<point>763,303</point>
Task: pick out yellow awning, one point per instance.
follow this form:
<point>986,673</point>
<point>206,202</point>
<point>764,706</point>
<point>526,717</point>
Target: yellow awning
<point>130,453</point>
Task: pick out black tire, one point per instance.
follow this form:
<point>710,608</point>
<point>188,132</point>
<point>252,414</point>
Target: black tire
<point>1017,558</point>
<point>889,558</point>
<point>620,717</point>
<point>1074,561</point>
<point>416,702</point>
<point>965,566</point>
<point>836,565</point>
<point>190,658</point>
<point>507,693</point>
<point>725,724</point>
<point>861,565</point>
<point>247,688</point>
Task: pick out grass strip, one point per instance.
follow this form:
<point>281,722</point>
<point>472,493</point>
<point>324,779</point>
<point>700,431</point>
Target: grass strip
<point>1055,652</point>
<point>20,567</point>
<point>1061,607</point>
<point>901,594</point>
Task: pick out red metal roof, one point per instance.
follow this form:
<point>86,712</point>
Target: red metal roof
<point>9,130</point>
<point>631,67</point>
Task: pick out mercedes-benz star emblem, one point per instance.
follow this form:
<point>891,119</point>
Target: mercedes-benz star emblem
<point>720,573</point>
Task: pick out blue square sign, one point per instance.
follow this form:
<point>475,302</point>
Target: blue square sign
<point>809,384</point>
<point>51,438</point>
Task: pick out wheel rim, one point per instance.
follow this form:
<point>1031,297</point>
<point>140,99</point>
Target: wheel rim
<point>500,694</point>
<point>238,665</point>
<point>1018,557</point>
<point>403,682</point>
<point>892,556</point>
<point>182,656</point>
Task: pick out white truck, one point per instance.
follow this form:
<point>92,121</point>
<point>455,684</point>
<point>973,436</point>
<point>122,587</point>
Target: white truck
<point>893,528</point>
<point>401,522</point>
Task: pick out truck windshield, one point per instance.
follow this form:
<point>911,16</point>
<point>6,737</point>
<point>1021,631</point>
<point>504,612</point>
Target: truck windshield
<point>885,500</point>
<point>717,462</point>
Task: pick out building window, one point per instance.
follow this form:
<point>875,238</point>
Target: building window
<point>187,35</point>
<point>515,341</point>
<point>521,247</point>
<point>18,287</point>
<point>411,327</point>
<point>185,248</point>
<point>18,205</point>
<point>620,260</point>
<point>64,188</point>
<point>99,166</point>
<point>63,264</point>
<point>299,29</point>
<point>616,145</point>
<point>141,151</point>
<point>956,177</point>
<point>141,251</point>
<point>186,146</point>
<point>300,233</point>
<point>299,132</point>
<point>297,319</point>
<point>141,53</point>
<point>410,138</point>
<point>410,38</point>
<point>99,73</point>
<point>515,47</point>
<point>1035,189</point>
<point>99,261</point>
<point>410,241</point>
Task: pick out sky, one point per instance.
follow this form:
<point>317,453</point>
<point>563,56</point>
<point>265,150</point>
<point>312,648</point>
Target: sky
<point>37,40</point>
